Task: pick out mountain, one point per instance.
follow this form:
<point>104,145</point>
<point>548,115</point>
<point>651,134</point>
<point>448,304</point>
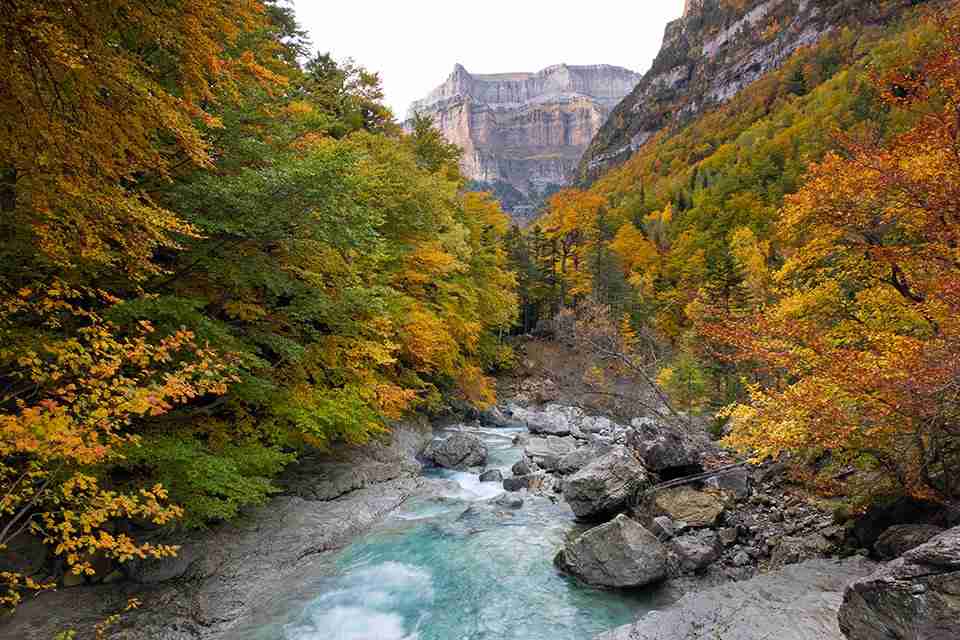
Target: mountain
<point>524,133</point>
<point>715,50</point>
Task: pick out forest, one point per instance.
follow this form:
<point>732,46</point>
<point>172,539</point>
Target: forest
<point>214,256</point>
<point>220,251</point>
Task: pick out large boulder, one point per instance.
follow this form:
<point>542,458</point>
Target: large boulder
<point>620,553</point>
<point>685,504</point>
<point>547,452</point>
<point>668,451</point>
<point>539,482</point>
<point>916,596</point>
<point>605,485</point>
<point>561,420</point>
<point>458,451</point>
<point>500,418</point>
<point>579,458</point>
<point>900,538</point>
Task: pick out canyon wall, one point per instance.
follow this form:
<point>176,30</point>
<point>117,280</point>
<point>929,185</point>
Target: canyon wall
<point>523,134</point>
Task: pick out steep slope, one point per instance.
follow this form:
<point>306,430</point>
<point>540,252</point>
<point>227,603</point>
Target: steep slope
<point>523,133</point>
<point>709,55</point>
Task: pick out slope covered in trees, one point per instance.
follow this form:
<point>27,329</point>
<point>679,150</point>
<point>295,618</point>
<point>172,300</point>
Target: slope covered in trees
<point>213,257</point>
<point>794,252</point>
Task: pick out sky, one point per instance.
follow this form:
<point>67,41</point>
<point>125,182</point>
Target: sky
<point>413,44</point>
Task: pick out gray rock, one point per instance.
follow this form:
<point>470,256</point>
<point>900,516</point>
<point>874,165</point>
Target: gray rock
<point>798,602</point>
<point>663,528</point>
<point>491,475</point>
<point>728,536</point>
<point>790,550</point>
<point>741,559</point>
<point>547,452</point>
<point>899,539</point>
<point>605,485</point>
<point>500,418</point>
<point>735,482</point>
<point>457,451</point>
<point>697,551</point>
<point>620,553</point>
<point>882,516</point>
<point>523,466</point>
<point>509,501</point>
<point>696,508</point>
<point>665,449</point>
<point>916,596</point>
<point>579,458</point>
<point>540,482</point>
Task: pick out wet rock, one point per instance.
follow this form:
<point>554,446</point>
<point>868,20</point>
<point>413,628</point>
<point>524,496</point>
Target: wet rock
<point>728,536</point>
<point>916,596</point>
<point>798,602</point>
<point>547,452</point>
<point>697,551</point>
<point>457,451</point>
<point>540,482</point>
<point>509,501</point>
<point>899,539</point>
<point>696,508</point>
<point>620,553</point>
<point>605,485</point>
<point>491,475</point>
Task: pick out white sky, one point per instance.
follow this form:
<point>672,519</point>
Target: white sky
<point>414,44</point>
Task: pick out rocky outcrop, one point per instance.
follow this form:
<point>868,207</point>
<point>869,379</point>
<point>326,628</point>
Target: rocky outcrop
<point>522,134</point>
<point>458,451</point>
<point>605,485</point>
<point>916,596</point>
<point>898,539</point>
<point>799,602</point>
<point>708,56</point>
<point>620,553</point>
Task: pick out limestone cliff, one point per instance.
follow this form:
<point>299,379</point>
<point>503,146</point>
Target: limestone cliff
<point>714,50</point>
<point>523,134</point>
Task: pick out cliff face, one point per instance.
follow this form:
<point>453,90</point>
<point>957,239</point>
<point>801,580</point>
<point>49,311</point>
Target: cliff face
<point>716,49</point>
<point>524,133</point>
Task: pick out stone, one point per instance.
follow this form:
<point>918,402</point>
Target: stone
<point>523,133</point>
<point>696,508</point>
<point>457,451</point>
<point>728,536</point>
<point>663,528</point>
<point>741,559</point>
<point>547,452</point>
<point>735,482</point>
<point>523,466</point>
<point>533,482</point>
<point>899,539</point>
<point>791,549</point>
<point>509,501</point>
<point>697,551</point>
<point>579,458</point>
<point>606,485</point>
<point>916,596</point>
<point>491,475</point>
<point>500,418</point>
<point>666,450</point>
<point>620,553</point>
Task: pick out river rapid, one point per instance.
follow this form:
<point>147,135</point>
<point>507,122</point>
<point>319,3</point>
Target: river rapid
<point>459,566</point>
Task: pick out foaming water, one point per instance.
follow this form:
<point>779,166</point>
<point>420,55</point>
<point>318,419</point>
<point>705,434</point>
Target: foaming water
<point>460,567</point>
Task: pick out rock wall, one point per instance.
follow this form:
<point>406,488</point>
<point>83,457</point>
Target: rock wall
<point>709,55</point>
<point>524,133</point>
